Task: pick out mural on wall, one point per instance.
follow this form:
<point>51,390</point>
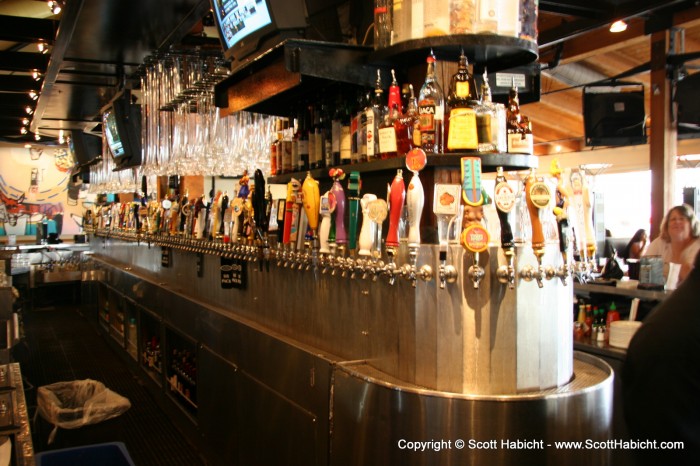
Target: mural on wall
<point>36,192</point>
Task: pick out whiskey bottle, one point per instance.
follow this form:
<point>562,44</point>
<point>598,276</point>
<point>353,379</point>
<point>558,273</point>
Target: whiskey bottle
<point>303,142</point>
<point>345,134</point>
<point>375,116</point>
<point>431,109</point>
<point>515,126</point>
<point>462,103</point>
<point>387,135</point>
<point>336,129</point>
<point>487,120</point>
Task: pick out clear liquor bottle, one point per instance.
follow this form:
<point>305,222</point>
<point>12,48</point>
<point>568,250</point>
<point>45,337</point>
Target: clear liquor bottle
<point>376,111</point>
<point>431,110</point>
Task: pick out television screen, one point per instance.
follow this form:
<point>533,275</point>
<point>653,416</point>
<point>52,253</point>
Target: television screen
<point>615,118</point>
<point>84,147</point>
<point>114,140</point>
<point>121,123</point>
<point>239,19</point>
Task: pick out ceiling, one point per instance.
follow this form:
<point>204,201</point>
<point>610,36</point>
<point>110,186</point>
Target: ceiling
<point>97,45</point>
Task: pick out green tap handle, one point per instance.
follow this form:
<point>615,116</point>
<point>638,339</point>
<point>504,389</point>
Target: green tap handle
<point>354,186</point>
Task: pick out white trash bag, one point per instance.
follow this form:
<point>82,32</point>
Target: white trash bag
<point>78,403</point>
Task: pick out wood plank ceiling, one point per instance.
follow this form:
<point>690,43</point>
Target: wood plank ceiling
<point>576,48</point>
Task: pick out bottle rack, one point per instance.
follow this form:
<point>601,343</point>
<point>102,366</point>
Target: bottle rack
<point>151,358</point>
<point>181,370</point>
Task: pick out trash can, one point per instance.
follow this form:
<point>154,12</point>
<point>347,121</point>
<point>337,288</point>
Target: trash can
<point>102,454</point>
<point>78,403</point>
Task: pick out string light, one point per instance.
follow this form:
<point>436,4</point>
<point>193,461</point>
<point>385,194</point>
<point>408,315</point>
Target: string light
<point>36,75</point>
<point>33,95</point>
<point>29,110</point>
<point>23,130</point>
<point>55,6</point>
<point>43,47</point>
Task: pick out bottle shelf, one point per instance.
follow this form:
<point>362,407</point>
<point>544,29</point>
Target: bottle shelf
<point>509,162</point>
<point>485,50</point>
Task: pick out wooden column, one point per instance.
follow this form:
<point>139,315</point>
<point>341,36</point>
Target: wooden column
<point>663,140</point>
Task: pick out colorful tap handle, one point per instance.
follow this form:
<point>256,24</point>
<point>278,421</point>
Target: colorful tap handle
<point>446,208</point>
<point>237,207</point>
<point>415,199</point>
<point>397,196</point>
<point>588,218</point>
<point>354,186</point>
<point>560,210</point>
<point>366,240</point>
<point>474,237</point>
<point>341,236</point>
<point>537,197</point>
<point>260,210</point>
<point>504,197</point>
<point>289,215</point>
<point>327,207</point>
<point>311,202</point>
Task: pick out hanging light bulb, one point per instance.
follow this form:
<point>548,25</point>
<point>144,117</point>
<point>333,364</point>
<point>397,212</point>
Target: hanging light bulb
<point>33,95</point>
<point>29,110</point>
<point>23,130</point>
<point>37,137</point>
<point>43,47</point>
<point>25,121</point>
<point>36,75</point>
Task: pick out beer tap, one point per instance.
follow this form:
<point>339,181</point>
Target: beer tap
<point>588,223</point>
<point>291,220</point>
<point>341,237</point>
<point>446,208</point>
<point>537,196</point>
<point>397,196</point>
<point>261,216</point>
<point>327,207</point>
<point>415,199</point>
<point>504,198</point>
<point>311,208</point>
<point>354,187</point>
<point>561,213</point>
<point>366,239</point>
<point>474,237</point>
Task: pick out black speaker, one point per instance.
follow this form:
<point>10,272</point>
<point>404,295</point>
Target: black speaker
<point>615,117</point>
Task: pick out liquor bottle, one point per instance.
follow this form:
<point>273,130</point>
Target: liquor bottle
<point>345,134</point>
<point>336,130</point>
<point>355,130</point>
<point>387,135</point>
<point>528,20</point>
<point>395,94</point>
<point>375,116</point>
<point>487,120</point>
<point>327,136</point>
<point>303,142</point>
<point>274,148</point>
<point>382,24</point>
<point>313,132</point>
<point>431,109</point>
<point>407,126</point>
<point>436,17</point>
<point>296,134</point>
<point>401,21</point>
<point>487,16</point>
<point>285,150</point>
<point>517,139</point>
<point>462,103</point>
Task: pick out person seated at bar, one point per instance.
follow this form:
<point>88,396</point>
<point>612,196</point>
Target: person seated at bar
<point>636,246</point>
<point>661,378</point>
<point>679,241</point>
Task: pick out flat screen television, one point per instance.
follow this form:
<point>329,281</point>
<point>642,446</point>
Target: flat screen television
<point>614,116</point>
<point>688,98</point>
<point>84,148</point>
<point>249,26</point>
<point>121,123</point>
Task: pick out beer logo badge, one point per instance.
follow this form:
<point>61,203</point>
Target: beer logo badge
<point>237,206</point>
<point>446,199</point>
<point>471,181</point>
<point>475,238</point>
<point>416,159</point>
<point>377,210</point>
<point>540,194</point>
<point>504,197</point>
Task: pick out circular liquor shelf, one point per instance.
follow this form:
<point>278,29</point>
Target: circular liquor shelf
<point>485,50</point>
<point>489,163</point>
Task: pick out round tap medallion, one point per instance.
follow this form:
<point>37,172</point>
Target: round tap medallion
<point>377,210</point>
<point>540,194</point>
<point>416,160</point>
<point>504,197</point>
<point>475,238</point>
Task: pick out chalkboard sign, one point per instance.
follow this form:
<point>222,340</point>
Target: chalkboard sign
<point>233,273</point>
<point>166,257</point>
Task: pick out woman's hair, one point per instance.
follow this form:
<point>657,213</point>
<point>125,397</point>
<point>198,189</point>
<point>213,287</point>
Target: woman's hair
<point>638,235</point>
<point>686,211</point>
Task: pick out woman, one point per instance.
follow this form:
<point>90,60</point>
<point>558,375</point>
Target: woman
<point>636,246</point>
<point>679,241</point>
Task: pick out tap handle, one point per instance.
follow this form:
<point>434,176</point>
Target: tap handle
<point>291,213</point>
<point>341,236</point>
<point>415,199</point>
<point>366,241</point>
<point>327,207</point>
<point>397,196</point>
<point>260,211</point>
<point>504,197</point>
<point>537,196</point>
<point>354,186</point>
<point>311,201</point>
